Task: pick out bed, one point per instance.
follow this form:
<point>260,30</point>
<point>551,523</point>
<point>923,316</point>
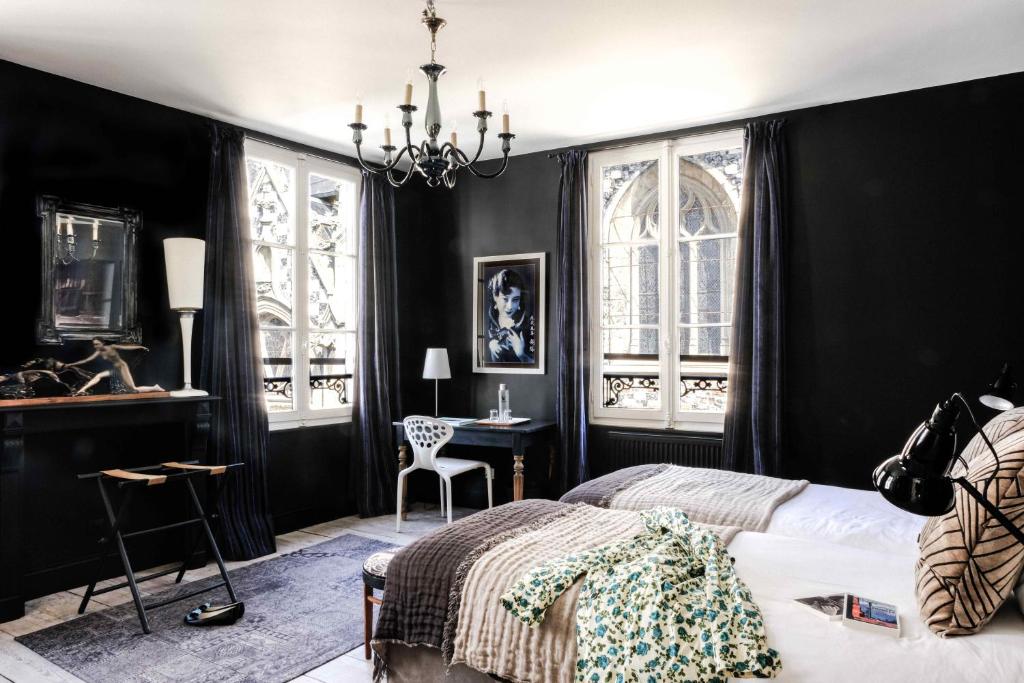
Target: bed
<point>815,540</point>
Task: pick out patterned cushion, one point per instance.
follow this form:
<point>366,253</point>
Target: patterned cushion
<point>969,564</point>
<point>375,569</point>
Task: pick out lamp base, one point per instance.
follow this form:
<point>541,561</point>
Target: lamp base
<point>184,393</point>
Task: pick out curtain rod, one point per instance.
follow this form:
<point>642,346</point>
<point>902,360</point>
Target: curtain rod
<point>668,135</point>
<point>303,148</point>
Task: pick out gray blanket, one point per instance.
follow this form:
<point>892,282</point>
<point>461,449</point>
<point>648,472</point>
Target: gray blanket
<point>421,577</point>
<point>599,492</point>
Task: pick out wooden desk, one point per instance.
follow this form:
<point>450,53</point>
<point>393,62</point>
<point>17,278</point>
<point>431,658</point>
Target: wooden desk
<point>516,438</point>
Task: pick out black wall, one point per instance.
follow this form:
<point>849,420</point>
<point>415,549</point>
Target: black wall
<point>903,252</point>
<point>902,260</point>
<point>83,143</point>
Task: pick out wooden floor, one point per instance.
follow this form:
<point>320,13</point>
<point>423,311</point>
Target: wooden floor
<point>18,664</point>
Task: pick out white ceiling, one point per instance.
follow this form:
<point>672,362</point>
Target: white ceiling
<point>573,71</point>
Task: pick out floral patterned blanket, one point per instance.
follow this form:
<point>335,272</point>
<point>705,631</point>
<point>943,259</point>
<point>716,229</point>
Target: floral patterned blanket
<point>664,604</point>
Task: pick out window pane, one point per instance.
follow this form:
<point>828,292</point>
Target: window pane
<point>331,361</point>
<point>271,201</point>
<point>273,270</point>
<point>630,296</point>
<point>276,350</point>
<point>703,394</point>
<point>331,214</point>
<point>709,187</point>
<point>704,341</point>
<point>332,298</point>
<point>629,285</point>
<point>707,269</point>
<point>631,368</point>
<point>630,201</point>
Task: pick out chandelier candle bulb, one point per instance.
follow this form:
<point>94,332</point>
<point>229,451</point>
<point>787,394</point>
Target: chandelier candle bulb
<point>504,123</point>
<point>387,136</point>
<point>481,95</point>
<point>455,139</point>
<point>95,231</point>
<point>359,113</point>
<point>408,92</point>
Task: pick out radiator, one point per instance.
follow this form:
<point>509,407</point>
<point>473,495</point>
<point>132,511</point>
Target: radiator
<point>618,449</point>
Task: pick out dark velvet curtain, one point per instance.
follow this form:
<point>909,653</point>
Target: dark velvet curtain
<point>231,365</point>
<point>572,386</point>
<point>374,460</point>
<point>753,418</point>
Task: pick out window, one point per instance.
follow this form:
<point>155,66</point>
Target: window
<point>303,212</point>
<point>662,289</point>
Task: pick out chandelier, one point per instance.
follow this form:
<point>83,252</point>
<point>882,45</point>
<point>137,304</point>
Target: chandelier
<point>437,163</point>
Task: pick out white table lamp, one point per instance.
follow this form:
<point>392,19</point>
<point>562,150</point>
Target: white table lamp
<point>185,258</point>
<point>435,367</point>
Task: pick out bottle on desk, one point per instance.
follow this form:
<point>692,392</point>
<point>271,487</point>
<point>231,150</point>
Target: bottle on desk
<point>504,411</point>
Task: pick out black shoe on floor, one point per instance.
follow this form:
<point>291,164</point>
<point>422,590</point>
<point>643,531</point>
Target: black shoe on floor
<point>208,614</point>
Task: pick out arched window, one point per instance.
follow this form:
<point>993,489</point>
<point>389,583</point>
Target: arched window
<point>664,282</point>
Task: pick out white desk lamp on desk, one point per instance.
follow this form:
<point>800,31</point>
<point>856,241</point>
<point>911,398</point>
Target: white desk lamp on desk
<point>435,367</point>
<point>186,260</point>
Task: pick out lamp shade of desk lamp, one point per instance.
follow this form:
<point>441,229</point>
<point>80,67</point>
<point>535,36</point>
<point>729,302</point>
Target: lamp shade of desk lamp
<point>185,258</point>
<point>918,479</point>
<point>435,367</point>
<point>1000,393</point>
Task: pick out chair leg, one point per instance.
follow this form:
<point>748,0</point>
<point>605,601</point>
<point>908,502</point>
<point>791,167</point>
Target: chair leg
<point>398,505</point>
<point>367,619</point>
<point>448,491</point>
<point>440,482</point>
<point>489,473</point>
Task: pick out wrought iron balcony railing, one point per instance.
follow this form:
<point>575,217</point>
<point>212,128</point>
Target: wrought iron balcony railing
<point>282,385</point>
<point>620,384</point>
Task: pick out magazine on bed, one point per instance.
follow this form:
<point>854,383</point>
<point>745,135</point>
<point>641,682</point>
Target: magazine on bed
<point>871,615</point>
<point>826,606</point>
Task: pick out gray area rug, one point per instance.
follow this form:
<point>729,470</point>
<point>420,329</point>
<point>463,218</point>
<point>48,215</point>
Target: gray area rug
<point>302,610</point>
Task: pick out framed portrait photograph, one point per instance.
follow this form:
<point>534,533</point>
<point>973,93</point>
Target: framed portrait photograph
<point>508,314</point>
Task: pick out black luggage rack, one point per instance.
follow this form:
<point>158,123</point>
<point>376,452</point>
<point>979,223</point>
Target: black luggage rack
<point>131,481</point>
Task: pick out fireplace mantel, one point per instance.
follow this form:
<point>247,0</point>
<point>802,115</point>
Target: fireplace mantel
<point>42,448</point>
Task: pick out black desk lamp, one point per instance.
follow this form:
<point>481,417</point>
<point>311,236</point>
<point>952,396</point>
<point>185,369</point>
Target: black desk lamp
<point>917,480</point>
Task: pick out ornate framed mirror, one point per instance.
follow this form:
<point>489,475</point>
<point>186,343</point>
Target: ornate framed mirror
<point>89,270</point>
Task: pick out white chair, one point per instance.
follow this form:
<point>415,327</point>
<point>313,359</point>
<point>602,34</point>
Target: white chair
<point>427,435</point>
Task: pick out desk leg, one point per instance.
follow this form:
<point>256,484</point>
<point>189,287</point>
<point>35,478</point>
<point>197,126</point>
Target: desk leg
<point>403,457</point>
<point>517,477</point>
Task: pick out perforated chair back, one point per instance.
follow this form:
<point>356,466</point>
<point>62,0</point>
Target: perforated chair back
<point>427,435</point>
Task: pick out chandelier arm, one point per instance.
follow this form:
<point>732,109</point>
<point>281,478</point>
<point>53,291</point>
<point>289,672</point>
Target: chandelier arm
<point>382,169</point>
<point>408,143</point>
<point>479,151</point>
<point>405,178</point>
<point>488,176</point>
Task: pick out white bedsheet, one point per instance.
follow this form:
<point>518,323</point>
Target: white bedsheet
<point>778,569</point>
<point>839,515</point>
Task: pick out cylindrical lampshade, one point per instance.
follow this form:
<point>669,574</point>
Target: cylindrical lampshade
<point>435,366</point>
<point>185,258</point>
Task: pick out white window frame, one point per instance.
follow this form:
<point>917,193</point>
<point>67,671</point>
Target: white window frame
<point>305,166</point>
<point>667,154</point>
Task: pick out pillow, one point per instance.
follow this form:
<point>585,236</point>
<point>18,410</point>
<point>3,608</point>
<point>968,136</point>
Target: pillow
<point>969,564</point>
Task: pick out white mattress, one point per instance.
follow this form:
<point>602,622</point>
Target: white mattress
<point>862,519</point>
<point>778,569</point>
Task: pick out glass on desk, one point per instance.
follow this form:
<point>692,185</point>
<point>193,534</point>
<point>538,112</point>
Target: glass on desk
<point>494,415</point>
<point>506,415</point>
